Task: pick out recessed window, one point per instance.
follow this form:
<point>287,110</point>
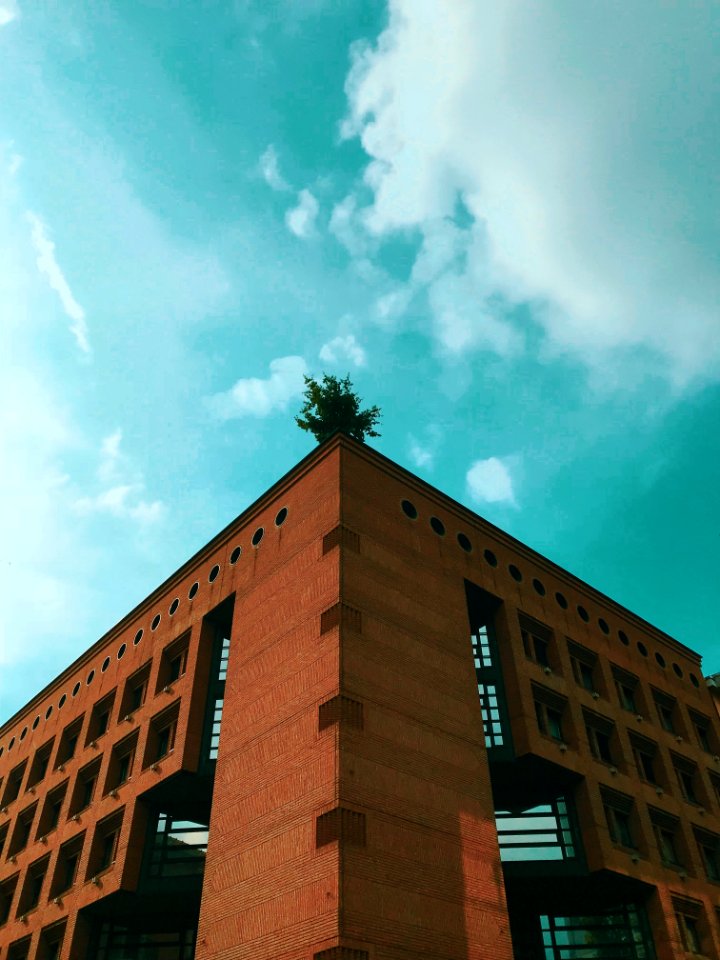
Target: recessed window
<point>626,685</point>
<point>603,626</point>
<point>48,712</point>
<point>583,614</point>
<point>536,640</point>
<point>549,710</point>
<point>703,731</point>
<point>438,526</point>
<point>235,555</point>
<point>39,766</point>
<point>642,649</point>
<point>667,837</point>
<point>257,536</point>
<point>622,636</point>
<point>212,576</point>
<point>645,754</point>
<point>677,670</point>
<point>84,788</point>
<point>161,735</point>
<point>173,606</point>
<point>61,702</point>
<point>660,660</point>
<point>666,709</point>
<point>464,542</point>
<point>193,590</point>
<point>121,762</point>
<point>515,573</point>
<point>583,664</point>
<point>68,741</point>
<point>135,691</point>
<point>709,847</point>
<point>155,622</point>
<point>138,637</point>
<point>173,662</point>
<point>34,880</point>
<point>100,718</point>
<point>600,733</point>
<point>490,558</point>
<point>14,780</point>
<point>105,664</point>
<point>104,845</point>
<point>66,866</point>
<point>691,923</point>
<point>90,677</point>
<point>619,816</point>
<point>281,517</point>
<point>538,587</point>
<point>50,815</point>
<point>561,600</point>
<point>409,509</point>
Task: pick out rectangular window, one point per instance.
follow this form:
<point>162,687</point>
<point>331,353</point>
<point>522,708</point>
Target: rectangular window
<point>3,836</point>
<point>135,691</point>
<point>490,711</point>
<point>600,733</point>
<point>215,729</point>
<point>667,837</point>
<point>709,848</point>
<point>20,949</point>
<point>104,846</point>
<point>645,755</point>
<point>32,888</point>
<point>482,653</point>
<point>619,934</point>
<point>121,762</point>
<point>224,656</point>
<point>7,893</point>
<point>179,847</point>
<point>482,611</point>
<point>51,941</point>
<point>142,942</point>
<point>14,782</point>
<point>84,789</point>
<point>52,808</point>
<point>626,685</point>
<point>21,834</point>
<point>549,709</point>
<point>68,741</point>
<point>703,732</point>
<point>39,766</point>
<point>173,662</point>
<point>539,833</point>
<point>691,924</point>
<point>161,735</point>
<point>619,816</point>
<point>100,718</point>
<point>687,776</point>
<point>537,641</point>
<point>584,665</point>
<point>66,866</point>
<point>666,707</point>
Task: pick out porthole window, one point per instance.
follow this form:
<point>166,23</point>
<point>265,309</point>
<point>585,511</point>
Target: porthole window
<point>438,526</point>
<point>138,637</point>
<point>539,587</point>
<point>193,590</point>
<point>515,573</point>
<point>76,689</point>
<point>677,670</point>
<point>623,638</point>
<point>105,664</point>
<point>2,750</point>
<point>48,712</point>
<point>212,576</point>
<point>12,743</point>
<point>257,536</point>
<point>121,651</point>
<point>35,722</point>
<point>603,626</point>
<point>281,517</point>
<point>464,542</point>
<point>583,614</point>
<point>23,733</point>
<point>174,605</point>
<point>90,677</point>
<point>694,680</point>
<point>642,649</point>
<point>235,555</point>
<point>490,558</point>
<point>660,660</point>
<point>155,622</point>
<point>409,509</point>
<point>62,700</point>
<point>561,600</point>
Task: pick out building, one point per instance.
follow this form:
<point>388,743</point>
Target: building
<point>364,724</point>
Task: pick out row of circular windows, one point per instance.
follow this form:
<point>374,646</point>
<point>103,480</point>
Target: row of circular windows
<point>255,540</point>
<point>410,510</point>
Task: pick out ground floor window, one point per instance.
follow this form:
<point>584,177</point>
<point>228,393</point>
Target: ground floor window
<point>119,942</point>
<point>543,832</point>
<point>619,934</point>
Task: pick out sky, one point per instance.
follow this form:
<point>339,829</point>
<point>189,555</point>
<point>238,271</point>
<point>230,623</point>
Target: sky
<point>500,218</point>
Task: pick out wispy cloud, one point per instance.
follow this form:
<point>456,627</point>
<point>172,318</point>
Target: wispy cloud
<point>270,170</point>
<point>343,348</point>
<point>254,397</point>
<point>301,219</point>
<point>50,269</point>
<point>124,487</point>
<point>9,10</point>
<point>490,481</point>
<point>421,456</point>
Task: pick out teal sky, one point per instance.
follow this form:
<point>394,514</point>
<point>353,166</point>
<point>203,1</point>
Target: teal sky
<point>501,218</point>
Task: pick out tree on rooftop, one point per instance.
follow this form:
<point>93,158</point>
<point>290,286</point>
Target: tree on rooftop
<point>332,405</point>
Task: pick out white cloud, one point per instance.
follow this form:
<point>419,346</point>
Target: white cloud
<point>490,481</point>
<point>584,169</point>
<point>343,348</point>
<point>421,456</point>
<point>301,219</point>
<point>253,397</point>
<point>270,170</point>
<point>124,487</point>
<point>9,11</point>
<point>49,268</point>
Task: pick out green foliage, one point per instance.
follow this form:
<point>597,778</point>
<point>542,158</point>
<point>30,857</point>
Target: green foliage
<point>331,406</point>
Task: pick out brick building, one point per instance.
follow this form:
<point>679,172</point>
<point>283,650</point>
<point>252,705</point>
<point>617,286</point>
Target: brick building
<point>364,724</point>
